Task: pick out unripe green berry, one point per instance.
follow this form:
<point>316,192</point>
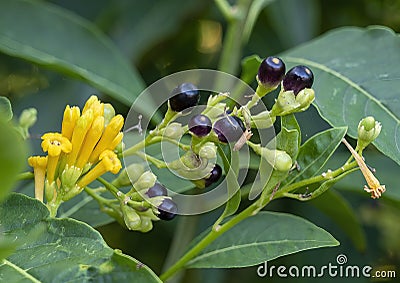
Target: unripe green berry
<point>173,131</point>
<point>368,123</point>
<point>145,181</point>
<point>283,162</point>
<point>208,151</point>
<point>129,175</point>
<point>131,217</point>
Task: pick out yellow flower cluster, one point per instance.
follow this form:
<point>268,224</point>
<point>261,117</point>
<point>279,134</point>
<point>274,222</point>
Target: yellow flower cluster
<point>82,152</point>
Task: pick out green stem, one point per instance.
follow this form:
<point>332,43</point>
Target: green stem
<point>110,187</point>
<point>97,197</point>
<point>208,239</point>
<point>158,163</point>
<point>225,8</point>
<point>25,176</point>
<point>315,179</point>
<point>233,42</point>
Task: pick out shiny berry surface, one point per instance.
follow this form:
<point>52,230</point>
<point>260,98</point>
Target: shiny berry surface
<point>229,129</point>
<point>271,71</point>
<point>298,78</point>
<point>184,96</point>
<point>156,191</point>
<point>200,125</point>
<point>167,209</point>
<point>216,173</point>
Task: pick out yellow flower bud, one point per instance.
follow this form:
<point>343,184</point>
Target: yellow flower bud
<point>39,164</point>
<point>107,139</point>
<point>71,115</point>
<point>109,162</point>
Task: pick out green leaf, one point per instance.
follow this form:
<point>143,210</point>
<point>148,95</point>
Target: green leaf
<point>12,156</point>
<point>290,123</point>
<point>356,75</point>
<point>5,108</point>
<point>6,247</point>
<point>250,66</point>
<point>315,152</point>
<point>340,211</point>
<point>67,250</point>
<point>232,170</point>
<point>288,139</point>
<point>72,45</point>
<point>263,237</point>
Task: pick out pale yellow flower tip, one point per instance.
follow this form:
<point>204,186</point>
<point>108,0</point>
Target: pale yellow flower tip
<point>55,143</point>
<point>111,162</point>
<point>71,115</point>
<point>38,161</point>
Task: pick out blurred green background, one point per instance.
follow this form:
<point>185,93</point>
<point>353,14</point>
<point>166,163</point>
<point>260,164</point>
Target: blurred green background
<point>161,37</point>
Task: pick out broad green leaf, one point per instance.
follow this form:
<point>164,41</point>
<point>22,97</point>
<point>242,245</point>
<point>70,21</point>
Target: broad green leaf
<point>12,156</point>
<point>288,139</point>
<point>356,75</point>
<point>70,44</point>
<point>340,211</point>
<point>6,247</point>
<point>250,66</point>
<point>84,208</point>
<point>5,108</point>
<point>315,152</point>
<point>290,123</point>
<point>231,169</point>
<point>263,237</point>
<point>67,250</point>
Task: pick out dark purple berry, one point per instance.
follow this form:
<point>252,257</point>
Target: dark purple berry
<point>216,173</point>
<point>298,78</point>
<point>156,191</point>
<point>229,129</point>
<point>167,209</point>
<point>184,96</point>
<point>271,71</point>
<point>200,125</point>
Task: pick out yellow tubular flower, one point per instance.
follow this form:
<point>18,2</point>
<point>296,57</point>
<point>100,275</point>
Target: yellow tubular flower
<point>88,105</point>
<point>54,144</point>
<point>117,140</point>
<point>71,115</point>
<point>92,137</point>
<point>109,162</point>
<point>82,127</point>
<point>39,164</point>
<point>106,141</point>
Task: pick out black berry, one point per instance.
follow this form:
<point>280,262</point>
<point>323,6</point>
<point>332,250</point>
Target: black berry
<point>184,96</point>
<point>298,78</point>
<point>271,71</point>
<point>229,129</point>
<point>200,125</point>
<point>167,209</point>
<point>216,173</point>
<point>156,191</point>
